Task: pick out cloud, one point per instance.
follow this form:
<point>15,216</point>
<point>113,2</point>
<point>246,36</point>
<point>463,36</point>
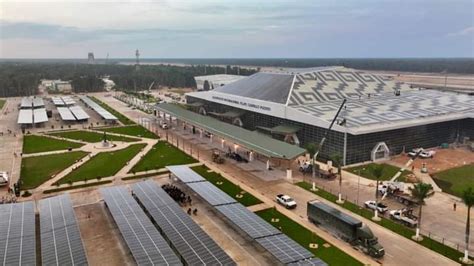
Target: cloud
<point>469,31</point>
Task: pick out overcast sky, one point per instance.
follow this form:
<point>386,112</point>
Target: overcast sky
<point>238,28</point>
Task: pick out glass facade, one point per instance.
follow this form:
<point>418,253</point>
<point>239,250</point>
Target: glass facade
<point>359,147</point>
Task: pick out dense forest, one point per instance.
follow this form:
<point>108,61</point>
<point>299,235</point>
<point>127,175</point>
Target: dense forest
<point>22,78</point>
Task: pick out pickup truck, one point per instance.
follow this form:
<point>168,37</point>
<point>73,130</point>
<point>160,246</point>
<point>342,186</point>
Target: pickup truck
<point>371,204</point>
<point>286,201</point>
<point>405,216</point>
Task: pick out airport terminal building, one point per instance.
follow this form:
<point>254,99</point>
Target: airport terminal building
<point>380,118</point>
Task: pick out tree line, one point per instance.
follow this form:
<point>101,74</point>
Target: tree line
<point>23,78</point>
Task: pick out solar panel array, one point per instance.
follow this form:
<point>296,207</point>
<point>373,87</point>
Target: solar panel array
<point>247,221</point>
<point>279,245</point>
<point>191,242</point>
<point>68,100</point>
<point>38,102</point>
<point>26,102</point>
<point>99,109</point>
<point>185,174</point>
<point>57,101</point>
<point>284,248</point>
<point>148,247</point>
<point>66,114</point>
<point>61,242</point>
<point>39,115</point>
<point>25,116</point>
<point>79,113</point>
<point>211,193</point>
<point>17,234</point>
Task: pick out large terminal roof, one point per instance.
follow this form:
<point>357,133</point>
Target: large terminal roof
<point>312,96</point>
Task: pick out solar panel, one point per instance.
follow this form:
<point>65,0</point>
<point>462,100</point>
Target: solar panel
<point>185,174</point>
<point>17,234</point>
<point>284,248</point>
<point>66,114</point>
<point>79,113</point>
<point>99,109</point>
<point>142,238</point>
<point>247,221</point>
<point>309,262</point>
<point>211,193</point>
<point>61,242</point>
<point>26,102</point>
<point>25,116</point>
<point>57,101</point>
<point>39,115</point>
<point>38,102</point>
<point>191,242</point>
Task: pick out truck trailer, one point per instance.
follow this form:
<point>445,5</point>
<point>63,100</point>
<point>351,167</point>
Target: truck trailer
<point>345,227</point>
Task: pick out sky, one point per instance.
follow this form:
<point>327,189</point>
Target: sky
<point>237,29</point>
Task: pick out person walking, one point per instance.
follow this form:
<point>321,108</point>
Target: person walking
<point>454,206</point>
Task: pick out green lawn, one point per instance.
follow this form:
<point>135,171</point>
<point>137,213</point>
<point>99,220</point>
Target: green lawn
<point>388,171</point>
<point>2,103</point>
<point>89,136</point>
<point>455,180</point>
<point>123,119</point>
<point>331,255</point>
<point>228,187</point>
<point>37,170</point>
<point>135,130</point>
<point>103,164</point>
<point>387,223</point>
<point>35,144</point>
<point>161,155</point>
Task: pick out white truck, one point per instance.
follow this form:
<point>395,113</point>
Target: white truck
<point>405,216</point>
<point>3,178</point>
<point>286,201</point>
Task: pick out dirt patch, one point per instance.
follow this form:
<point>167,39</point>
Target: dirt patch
<point>443,159</point>
<point>101,238</point>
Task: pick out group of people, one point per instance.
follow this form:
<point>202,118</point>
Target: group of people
<point>8,199</point>
<point>177,194</point>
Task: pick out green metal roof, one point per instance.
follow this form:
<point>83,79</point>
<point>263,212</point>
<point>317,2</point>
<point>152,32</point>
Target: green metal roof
<point>252,140</point>
<point>282,129</point>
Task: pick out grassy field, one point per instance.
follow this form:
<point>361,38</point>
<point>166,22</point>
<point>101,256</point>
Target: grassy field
<point>123,119</point>
<point>89,136</point>
<point>331,255</point>
<point>103,164</point>
<point>135,130</point>
<point>228,187</point>
<point>388,172</point>
<point>387,223</point>
<point>35,144</point>
<point>455,180</point>
<point>37,170</point>
<point>161,155</point>
<point>2,103</point>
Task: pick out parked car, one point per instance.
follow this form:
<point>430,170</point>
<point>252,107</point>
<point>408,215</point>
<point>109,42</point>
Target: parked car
<point>164,126</point>
<point>286,201</point>
<point>405,216</point>
<point>3,178</point>
<point>371,204</point>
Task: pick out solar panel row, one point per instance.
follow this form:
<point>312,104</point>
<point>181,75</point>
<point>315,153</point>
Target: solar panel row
<point>66,114</point>
<point>148,247</point>
<point>279,245</point>
<point>191,242</point>
<point>185,174</point>
<point>17,234</point>
<point>61,242</point>
<point>211,193</point>
<point>101,111</point>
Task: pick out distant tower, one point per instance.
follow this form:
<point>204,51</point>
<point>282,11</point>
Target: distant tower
<point>137,63</point>
<point>90,58</point>
<point>107,59</point>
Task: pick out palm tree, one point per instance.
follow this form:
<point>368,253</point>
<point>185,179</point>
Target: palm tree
<point>468,199</point>
<point>312,148</point>
<point>377,172</point>
<point>337,160</point>
<point>420,192</point>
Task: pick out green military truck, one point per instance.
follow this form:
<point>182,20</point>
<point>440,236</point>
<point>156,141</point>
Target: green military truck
<point>345,227</point>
